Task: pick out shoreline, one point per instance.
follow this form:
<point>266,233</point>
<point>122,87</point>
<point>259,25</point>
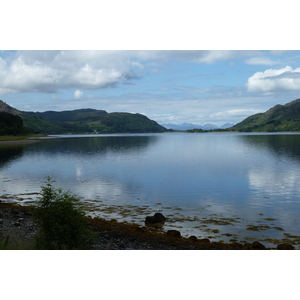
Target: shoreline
<point>19,142</point>
<point>16,225</point>
<point>27,139</point>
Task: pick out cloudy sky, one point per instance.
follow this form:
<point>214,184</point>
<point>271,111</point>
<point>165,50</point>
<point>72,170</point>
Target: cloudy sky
<point>173,86</point>
<point>183,82</point>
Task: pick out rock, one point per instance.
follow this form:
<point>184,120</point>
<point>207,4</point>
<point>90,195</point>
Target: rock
<point>1,221</point>
<point>204,240</point>
<point>257,246</point>
<point>285,246</point>
<point>157,219</point>
<point>173,233</point>
<point>193,238</point>
<point>17,224</point>
<point>122,246</point>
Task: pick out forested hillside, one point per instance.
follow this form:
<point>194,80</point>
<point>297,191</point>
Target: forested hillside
<point>11,124</point>
<point>278,118</point>
<point>89,121</point>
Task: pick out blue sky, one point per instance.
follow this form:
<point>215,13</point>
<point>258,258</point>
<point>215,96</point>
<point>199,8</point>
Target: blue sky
<point>184,82</point>
<point>176,86</point>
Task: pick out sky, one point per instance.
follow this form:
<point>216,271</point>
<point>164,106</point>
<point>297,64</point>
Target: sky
<point>168,86</point>
<point>210,63</point>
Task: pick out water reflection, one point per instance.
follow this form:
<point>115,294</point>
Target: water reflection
<point>197,179</point>
<point>273,170</point>
<point>279,144</point>
<point>86,146</point>
<point>10,153</point>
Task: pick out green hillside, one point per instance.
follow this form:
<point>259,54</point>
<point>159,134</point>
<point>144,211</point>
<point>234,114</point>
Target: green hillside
<point>68,115</point>
<point>89,121</point>
<point>11,124</point>
<point>278,118</point>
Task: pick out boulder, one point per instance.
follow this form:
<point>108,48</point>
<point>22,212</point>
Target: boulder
<point>204,240</point>
<point>193,238</point>
<point>257,246</point>
<point>157,219</point>
<point>285,246</point>
<point>173,233</point>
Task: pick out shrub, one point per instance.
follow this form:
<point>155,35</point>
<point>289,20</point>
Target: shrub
<point>63,225</point>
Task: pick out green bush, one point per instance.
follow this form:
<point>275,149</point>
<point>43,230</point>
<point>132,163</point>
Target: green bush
<point>63,225</point>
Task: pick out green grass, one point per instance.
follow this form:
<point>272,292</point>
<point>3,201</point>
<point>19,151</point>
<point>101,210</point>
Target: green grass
<point>7,244</point>
<point>17,137</point>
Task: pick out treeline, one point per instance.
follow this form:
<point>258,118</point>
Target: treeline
<point>11,124</point>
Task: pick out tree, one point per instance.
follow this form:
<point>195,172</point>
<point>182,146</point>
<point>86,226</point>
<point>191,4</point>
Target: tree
<point>11,124</point>
<point>63,225</point>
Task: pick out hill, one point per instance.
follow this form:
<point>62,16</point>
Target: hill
<point>76,115</point>
<point>191,126</point>
<point>278,118</point>
<point>8,109</point>
<point>89,121</point>
<point>187,126</point>
<point>84,121</point>
<point>11,122</point>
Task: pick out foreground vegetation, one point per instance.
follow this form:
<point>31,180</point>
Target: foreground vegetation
<point>62,224</point>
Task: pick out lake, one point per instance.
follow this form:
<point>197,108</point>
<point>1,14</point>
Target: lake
<point>224,186</point>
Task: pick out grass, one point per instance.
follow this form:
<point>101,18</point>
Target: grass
<point>17,137</point>
<point>7,244</point>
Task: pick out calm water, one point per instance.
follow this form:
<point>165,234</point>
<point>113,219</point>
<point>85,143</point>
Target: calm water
<point>212,185</point>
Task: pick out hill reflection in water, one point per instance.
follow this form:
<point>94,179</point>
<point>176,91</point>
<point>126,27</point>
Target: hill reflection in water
<point>202,182</point>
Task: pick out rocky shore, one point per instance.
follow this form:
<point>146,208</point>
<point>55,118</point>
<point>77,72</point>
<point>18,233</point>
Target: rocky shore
<point>18,228</point>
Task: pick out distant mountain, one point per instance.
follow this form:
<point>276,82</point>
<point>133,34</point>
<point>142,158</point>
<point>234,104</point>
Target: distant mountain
<point>227,125</point>
<point>278,118</point>
<point>89,121</point>
<point>189,126</point>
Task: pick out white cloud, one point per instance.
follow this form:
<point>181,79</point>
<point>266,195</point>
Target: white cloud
<point>275,80</point>
<point>260,61</point>
<point>51,71</point>
<point>78,94</point>
<point>229,114</point>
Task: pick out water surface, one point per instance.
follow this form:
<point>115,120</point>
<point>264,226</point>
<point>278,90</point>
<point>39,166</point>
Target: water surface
<point>216,185</point>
